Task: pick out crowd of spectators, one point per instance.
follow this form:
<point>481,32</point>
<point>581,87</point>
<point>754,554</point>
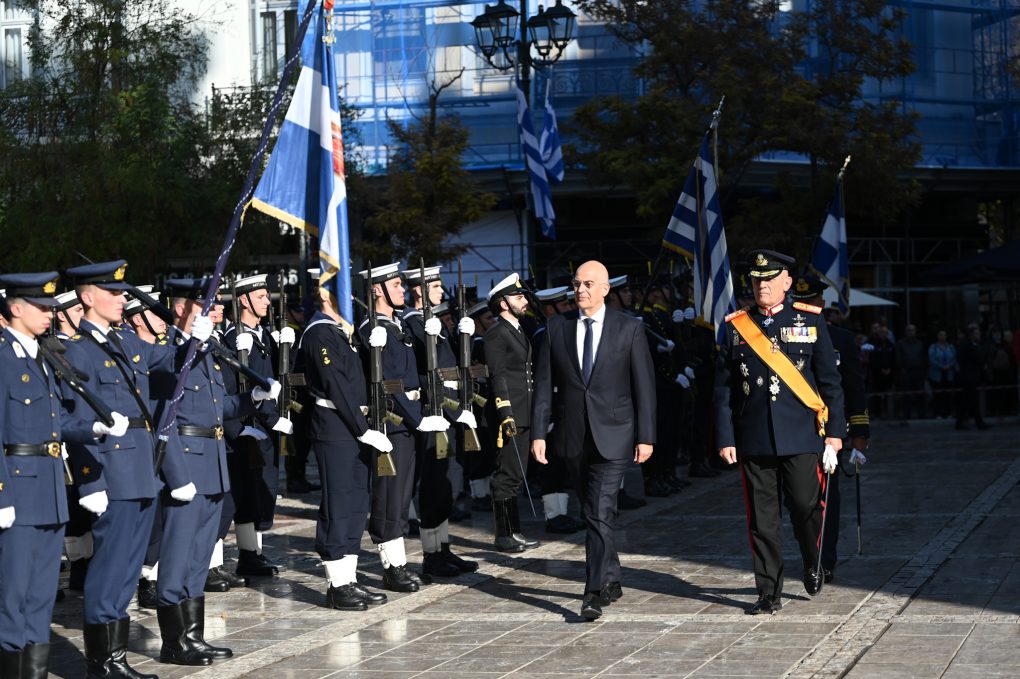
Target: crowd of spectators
<point>968,374</point>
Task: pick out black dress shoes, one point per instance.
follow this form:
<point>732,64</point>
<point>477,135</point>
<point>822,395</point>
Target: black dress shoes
<point>702,471</point>
<point>766,605</point>
<point>610,593</point>
<point>345,598</point>
<point>524,541</point>
<point>147,593</point>
<point>624,501</point>
<point>301,486</point>
<point>398,579</point>
<point>812,581</point>
<point>232,580</point>
<point>214,582</point>
<point>435,563</point>
<point>656,487</point>
<point>562,525</point>
<point>463,565</point>
<point>506,543</point>
<point>250,562</point>
<point>591,608</point>
<point>369,597</point>
<point>827,575</point>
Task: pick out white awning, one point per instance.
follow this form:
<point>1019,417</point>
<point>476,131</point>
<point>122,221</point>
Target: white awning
<point>858,298</point>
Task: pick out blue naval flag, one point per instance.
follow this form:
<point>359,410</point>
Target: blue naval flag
<point>304,183</point>
<point>696,230</point>
<point>830,259</point>
<point>552,149</point>
<point>540,192</point>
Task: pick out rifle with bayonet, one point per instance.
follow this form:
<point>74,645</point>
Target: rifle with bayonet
<point>287,402</point>
<point>468,372</point>
<point>378,388</point>
<point>242,356</point>
<point>435,399</point>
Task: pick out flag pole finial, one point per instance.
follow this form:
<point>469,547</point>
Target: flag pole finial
<point>717,113</point>
<point>842,170</point>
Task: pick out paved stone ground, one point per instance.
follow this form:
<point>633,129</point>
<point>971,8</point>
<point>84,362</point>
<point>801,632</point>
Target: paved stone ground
<point>936,592</point>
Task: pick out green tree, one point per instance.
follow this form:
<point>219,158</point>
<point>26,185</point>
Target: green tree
<point>428,196</point>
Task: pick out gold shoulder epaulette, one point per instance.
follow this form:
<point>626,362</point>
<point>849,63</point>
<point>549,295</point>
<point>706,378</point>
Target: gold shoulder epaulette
<point>810,308</point>
<point>730,317</point>
<point>75,337</point>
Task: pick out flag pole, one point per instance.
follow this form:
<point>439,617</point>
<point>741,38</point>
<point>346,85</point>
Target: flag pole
<point>170,416</point>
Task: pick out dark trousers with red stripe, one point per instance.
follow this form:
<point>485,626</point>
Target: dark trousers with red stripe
<point>800,479</point>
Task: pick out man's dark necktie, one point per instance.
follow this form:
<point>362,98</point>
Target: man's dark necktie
<point>588,358</point>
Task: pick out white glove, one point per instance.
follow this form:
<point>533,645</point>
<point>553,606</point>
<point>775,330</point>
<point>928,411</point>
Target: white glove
<point>857,456</point>
<point>201,328</point>
<point>118,428</point>
<point>433,423</point>
<point>683,381</point>
<point>285,335</point>
<point>6,518</point>
<point>829,460</point>
<point>678,316</point>
<point>467,417</point>
<point>689,313</point>
<point>451,384</point>
<point>665,348</point>
<point>244,341</point>
<point>867,346</point>
<point>275,335</point>
<point>377,338</point>
<point>95,502</point>
<point>466,325</point>
<point>184,493</point>
<point>284,426</point>
<point>256,434</point>
<point>689,372</point>
<point>377,440</point>
<point>260,394</point>
<point>433,327</point>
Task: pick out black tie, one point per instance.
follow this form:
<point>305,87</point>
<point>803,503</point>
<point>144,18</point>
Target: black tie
<point>115,341</point>
<point>588,358</point>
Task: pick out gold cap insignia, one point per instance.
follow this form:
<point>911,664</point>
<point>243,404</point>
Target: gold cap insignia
<point>50,287</point>
<point>761,261</point>
<point>118,275</point>
<point>802,286</point>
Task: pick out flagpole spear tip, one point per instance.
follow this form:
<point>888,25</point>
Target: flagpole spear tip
<point>843,169</point>
<point>717,113</point>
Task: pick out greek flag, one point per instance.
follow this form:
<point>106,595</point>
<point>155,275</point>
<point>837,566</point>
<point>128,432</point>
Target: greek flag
<point>304,183</point>
<point>540,192</point>
<point>552,150</point>
<point>831,259</point>
<point>696,230</point>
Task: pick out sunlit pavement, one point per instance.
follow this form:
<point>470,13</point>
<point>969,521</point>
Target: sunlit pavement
<point>934,593</point>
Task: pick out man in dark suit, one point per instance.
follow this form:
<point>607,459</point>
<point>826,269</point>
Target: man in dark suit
<point>595,384</point>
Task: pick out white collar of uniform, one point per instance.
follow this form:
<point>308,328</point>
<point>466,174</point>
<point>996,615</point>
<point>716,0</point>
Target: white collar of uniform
<point>99,332</point>
<point>599,316</point>
<point>320,321</point>
<point>30,344</point>
<point>514,323</point>
<point>257,330</point>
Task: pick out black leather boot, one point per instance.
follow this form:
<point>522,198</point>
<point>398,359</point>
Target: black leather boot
<point>503,526</point>
<point>118,652</point>
<point>175,649</point>
<point>147,597</point>
<point>35,660</point>
<point>435,563</point>
<point>397,579</point>
<point>194,629</point>
<point>345,598</point>
<point>10,664</point>
<point>463,565</point>
<point>515,523</point>
<point>250,562</point>
<point>106,651</point>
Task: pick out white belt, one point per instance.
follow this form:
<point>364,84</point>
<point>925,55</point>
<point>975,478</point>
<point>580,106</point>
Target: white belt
<point>413,394</point>
<point>325,403</point>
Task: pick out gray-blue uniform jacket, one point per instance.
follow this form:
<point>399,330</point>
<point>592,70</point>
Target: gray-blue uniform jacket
<point>261,359</point>
<point>31,413</point>
<point>123,467</point>
<point>398,364</point>
<point>755,410</point>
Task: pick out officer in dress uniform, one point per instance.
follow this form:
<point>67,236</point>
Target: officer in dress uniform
<point>253,459</point>
<point>779,408</point>
<point>808,288</point>
<point>78,532</point>
<point>391,495</point>
<point>196,478</point>
<point>118,472</point>
<point>508,354</point>
<point>553,478</point>
<point>33,502</point>
<point>435,491</point>
<point>336,424</point>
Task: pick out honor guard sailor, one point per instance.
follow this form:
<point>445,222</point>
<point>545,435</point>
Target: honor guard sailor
<point>435,492</point>
<point>779,412</point>
<point>33,502</point>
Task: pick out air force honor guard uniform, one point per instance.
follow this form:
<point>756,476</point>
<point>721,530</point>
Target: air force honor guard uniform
<point>337,387</point>
<point>779,404</point>
<point>118,365</point>
<point>33,502</point>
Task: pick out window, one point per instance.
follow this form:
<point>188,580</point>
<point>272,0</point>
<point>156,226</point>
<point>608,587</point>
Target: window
<point>268,45</point>
<point>13,57</point>
<point>290,28</point>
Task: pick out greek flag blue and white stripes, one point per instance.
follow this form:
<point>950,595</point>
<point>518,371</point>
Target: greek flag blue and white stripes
<point>304,181</point>
<point>831,259</point>
<point>696,230</point>
<point>540,192</point>
<point>552,149</point>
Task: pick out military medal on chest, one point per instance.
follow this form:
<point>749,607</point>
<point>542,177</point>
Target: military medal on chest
<point>774,386</point>
<point>775,345</point>
<point>744,370</point>
<point>798,321</point>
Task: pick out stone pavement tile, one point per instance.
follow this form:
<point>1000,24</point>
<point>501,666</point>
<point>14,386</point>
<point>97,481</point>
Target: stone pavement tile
<point>578,658</point>
<point>336,659</point>
<point>493,659</point>
<point>399,630</point>
<point>896,671</point>
<point>918,649</point>
<point>964,671</point>
<point>641,629</point>
<point>990,645</point>
<point>635,665</point>
<point>430,647</point>
<point>689,646</point>
<point>362,674</point>
<point>740,668</point>
<point>775,625</point>
<point>930,629</point>
<point>387,663</point>
<point>759,639</point>
<point>278,672</point>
